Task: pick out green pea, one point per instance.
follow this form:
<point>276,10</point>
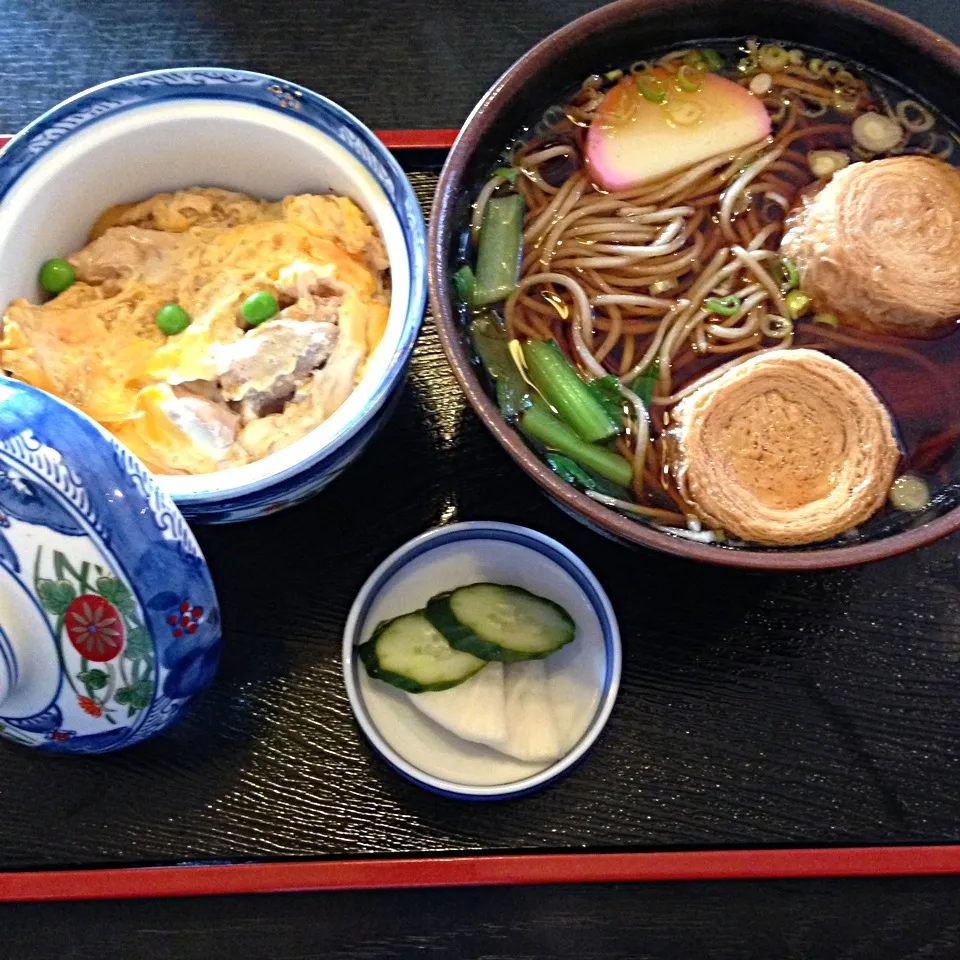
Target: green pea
<point>258,307</point>
<point>56,275</point>
<point>171,318</point>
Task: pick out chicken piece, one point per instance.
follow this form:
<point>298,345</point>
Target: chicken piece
<point>173,431</point>
<point>316,289</point>
<point>177,212</point>
<point>315,400</point>
<point>267,364</point>
<point>210,425</point>
<point>125,252</point>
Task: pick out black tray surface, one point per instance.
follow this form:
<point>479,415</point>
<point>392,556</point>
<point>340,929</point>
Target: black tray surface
<point>866,919</point>
<point>755,710</point>
<point>394,63</point>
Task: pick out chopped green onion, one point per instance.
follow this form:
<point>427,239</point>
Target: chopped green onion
<point>727,306</point>
<point>815,66</point>
<point>684,113</point>
<point>776,327</point>
<point>830,319</point>
<point>541,425</point>
<point>507,173</point>
<point>909,493</point>
<point>825,163</point>
<point>711,58</point>
<point>689,79</point>
<point>773,58</point>
<point>784,273</point>
<point>846,101</point>
<point>557,379</point>
<point>796,57</point>
<point>614,75</point>
<point>463,281</point>
<point>797,303</point>
<point>876,132</point>
<point>652,88</point>
<point>498,254</point>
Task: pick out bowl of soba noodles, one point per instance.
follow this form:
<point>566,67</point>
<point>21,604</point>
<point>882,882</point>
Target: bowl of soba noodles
<point>697,267</point>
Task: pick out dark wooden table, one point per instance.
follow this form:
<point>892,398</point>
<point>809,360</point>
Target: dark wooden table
<point>755,710</point>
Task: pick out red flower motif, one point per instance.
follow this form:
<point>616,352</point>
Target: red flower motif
<point>89,705</point>
<point>60,735</point>
<point>187,620</point>
<point>94,627</point>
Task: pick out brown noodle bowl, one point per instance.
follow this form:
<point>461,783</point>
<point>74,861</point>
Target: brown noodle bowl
<point>619,279</point>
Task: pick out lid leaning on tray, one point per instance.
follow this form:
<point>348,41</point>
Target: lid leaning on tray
<point>109,622</point>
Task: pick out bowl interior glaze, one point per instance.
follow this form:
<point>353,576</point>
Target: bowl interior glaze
<point>885,42</point>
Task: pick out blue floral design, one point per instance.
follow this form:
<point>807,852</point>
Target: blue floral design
<point>23,499</point>
<point>49,720</point>
<point>8,556</point>
<point>59,471</point>
<point>191,658</point>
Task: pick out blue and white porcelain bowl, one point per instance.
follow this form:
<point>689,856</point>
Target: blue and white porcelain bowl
<point>130,138</point>
<point>583,677</point>
<point>109,623</point>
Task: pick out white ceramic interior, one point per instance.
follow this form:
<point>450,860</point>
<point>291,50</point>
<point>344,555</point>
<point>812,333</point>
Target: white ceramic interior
<point>577,674</point>
<point>194,142</point>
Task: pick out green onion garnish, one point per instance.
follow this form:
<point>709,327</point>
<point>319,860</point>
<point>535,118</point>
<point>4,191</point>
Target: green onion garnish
<point>829,319</point>
<point>773,59</point>
<point>689,79</point>
<point>652,88</point>
<point>508,173</point>
<point>711,58</point>
<point>784,273</point>
<point>727,306</point>
<point>614,75</point>
<point>797,303</point>
<point>463,281</point>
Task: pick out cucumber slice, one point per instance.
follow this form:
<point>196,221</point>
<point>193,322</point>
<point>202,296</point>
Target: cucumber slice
<point>407,652</point>
<point>499,622</point>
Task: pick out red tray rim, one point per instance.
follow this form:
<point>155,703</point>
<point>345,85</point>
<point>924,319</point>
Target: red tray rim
<point>95,883</point>
<point>98,883</point>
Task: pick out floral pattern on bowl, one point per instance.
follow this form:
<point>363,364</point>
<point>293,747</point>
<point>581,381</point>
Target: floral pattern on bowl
<point>109,623</point>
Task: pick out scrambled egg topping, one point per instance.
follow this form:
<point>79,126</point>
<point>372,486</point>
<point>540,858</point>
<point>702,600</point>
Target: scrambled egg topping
<point>221,393</point>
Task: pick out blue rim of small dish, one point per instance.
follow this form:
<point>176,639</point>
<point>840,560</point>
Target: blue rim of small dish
<point>117,96</point>
<point>571,564</point>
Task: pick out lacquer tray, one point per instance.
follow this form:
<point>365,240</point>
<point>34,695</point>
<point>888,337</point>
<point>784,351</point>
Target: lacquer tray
<point>767,725</point>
